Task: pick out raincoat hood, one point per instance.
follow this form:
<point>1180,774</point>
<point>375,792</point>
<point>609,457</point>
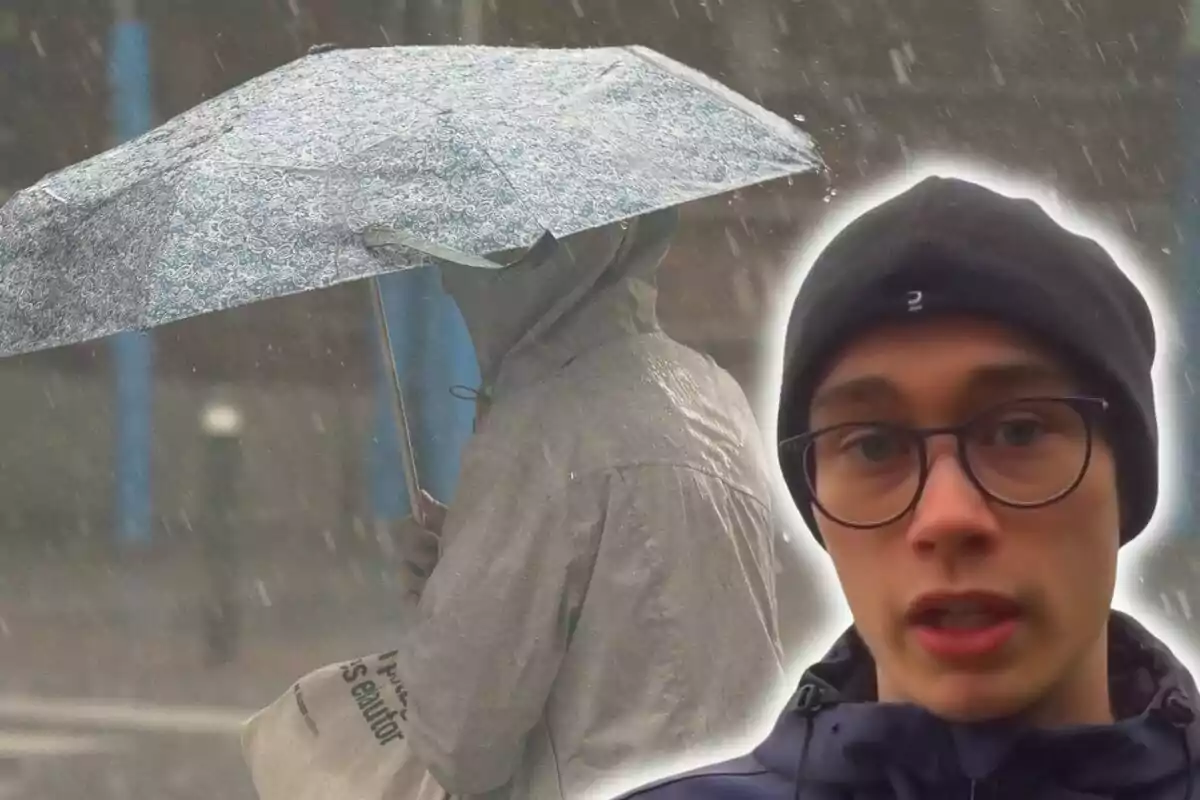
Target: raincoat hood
<point>533,317</point>
<point>835,741</point>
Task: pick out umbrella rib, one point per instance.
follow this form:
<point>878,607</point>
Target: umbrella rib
<point>173,169</point>
<point>416,100</point>
<point>55,196</point>
<point>734,100</point>
<point>479,143</point>
<point>516,192</point>
<point>265,165</point>
<point>89,211</point>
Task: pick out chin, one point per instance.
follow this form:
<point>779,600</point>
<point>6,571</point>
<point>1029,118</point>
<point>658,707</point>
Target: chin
<point>973,699</point>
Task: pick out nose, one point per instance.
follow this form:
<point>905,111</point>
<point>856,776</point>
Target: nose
<point>952,516</point>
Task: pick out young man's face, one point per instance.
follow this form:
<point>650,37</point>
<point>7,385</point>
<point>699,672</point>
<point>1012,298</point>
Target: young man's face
<point>1052,569</point>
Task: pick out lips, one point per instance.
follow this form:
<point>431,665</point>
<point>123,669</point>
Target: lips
<point>961,609</point>
<point>963,625</point>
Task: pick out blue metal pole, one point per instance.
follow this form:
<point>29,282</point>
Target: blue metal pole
<point>433,353</point>
<point>132,115</point>
<point>446,360</point>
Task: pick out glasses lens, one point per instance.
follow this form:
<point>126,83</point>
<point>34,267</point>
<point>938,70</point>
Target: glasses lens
<point>864,474</point>
<point>1029,452</point>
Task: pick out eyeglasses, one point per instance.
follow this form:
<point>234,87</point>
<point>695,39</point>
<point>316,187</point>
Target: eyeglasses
<point>1025,453</point>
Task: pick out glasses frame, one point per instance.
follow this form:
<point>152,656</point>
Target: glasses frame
<point>1088,407</point>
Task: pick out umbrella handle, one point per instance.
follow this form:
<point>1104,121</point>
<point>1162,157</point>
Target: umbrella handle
<point>407,454</point>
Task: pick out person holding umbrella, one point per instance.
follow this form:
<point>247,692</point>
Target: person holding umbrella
<point>967,423</point>
<point>612,524</point>
<point>613,519</point>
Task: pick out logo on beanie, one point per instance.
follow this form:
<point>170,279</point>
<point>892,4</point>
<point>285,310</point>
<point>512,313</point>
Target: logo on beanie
<point>916,300</point>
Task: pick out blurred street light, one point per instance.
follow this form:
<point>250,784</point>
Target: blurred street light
<point>221,424</point>
<point>221,420</point>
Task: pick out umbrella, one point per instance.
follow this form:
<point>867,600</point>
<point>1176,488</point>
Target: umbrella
<point>347,164</point>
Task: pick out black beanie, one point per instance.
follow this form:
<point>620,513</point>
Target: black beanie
<point>951,246</point>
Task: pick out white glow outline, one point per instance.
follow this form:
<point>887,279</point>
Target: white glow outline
<point>1167,394</point>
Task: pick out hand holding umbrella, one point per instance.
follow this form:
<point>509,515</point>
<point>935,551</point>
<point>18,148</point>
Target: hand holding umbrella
<point>420,543</point>
<point>433,513</point>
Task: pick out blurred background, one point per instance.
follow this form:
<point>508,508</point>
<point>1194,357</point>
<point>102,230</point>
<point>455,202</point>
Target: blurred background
<point>191,519</point>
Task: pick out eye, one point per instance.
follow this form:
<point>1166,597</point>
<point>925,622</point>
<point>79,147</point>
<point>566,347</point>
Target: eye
<point>1015,431</point>
<point>875,445</point>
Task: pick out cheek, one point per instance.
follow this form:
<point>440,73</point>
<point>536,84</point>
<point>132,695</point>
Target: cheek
<point>1096,505</point>
<point>1074,545</point>
<point>860,565</point>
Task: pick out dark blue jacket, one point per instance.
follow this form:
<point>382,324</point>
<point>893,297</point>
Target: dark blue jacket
<point>834,743</point>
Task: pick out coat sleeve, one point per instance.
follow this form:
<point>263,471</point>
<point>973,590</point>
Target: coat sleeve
<point>491,630</point>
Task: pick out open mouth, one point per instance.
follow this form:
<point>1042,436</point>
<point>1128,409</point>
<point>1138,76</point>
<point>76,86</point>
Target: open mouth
<point>964,616</point>
<point>963,625</point>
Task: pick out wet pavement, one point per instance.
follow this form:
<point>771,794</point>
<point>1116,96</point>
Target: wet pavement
<point>109,689</point>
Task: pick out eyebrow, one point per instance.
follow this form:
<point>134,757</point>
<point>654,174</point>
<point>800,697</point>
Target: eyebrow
<point>993,377</point>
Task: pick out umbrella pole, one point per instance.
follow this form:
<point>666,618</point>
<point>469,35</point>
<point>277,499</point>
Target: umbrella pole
<point>407,454</point>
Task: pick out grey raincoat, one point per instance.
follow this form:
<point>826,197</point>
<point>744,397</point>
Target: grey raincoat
<point>605,595</point>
